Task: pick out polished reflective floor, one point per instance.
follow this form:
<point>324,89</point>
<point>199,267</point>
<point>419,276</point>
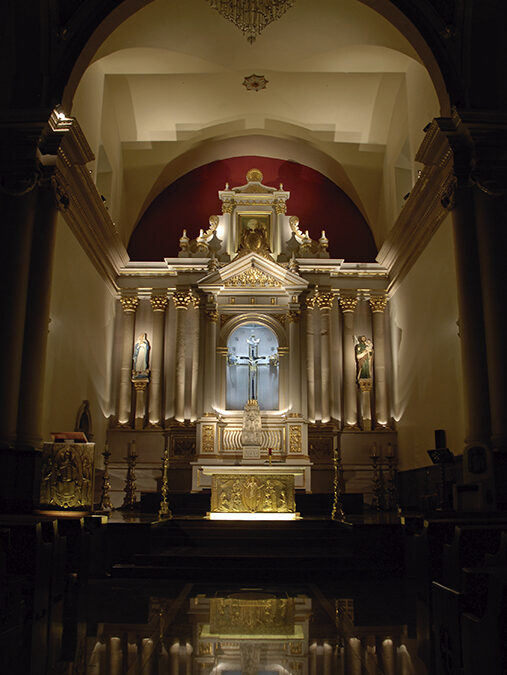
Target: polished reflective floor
<point>353,626</point>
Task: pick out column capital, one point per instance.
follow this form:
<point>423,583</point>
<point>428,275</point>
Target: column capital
<point>227,206</point>
<point>212,315</point>
<point>280,207</point>
<point>129,302</point>
<point>158,302</point>
<point>348,303</point>
<point>325,299</point>
<point>311,300</point>
<point>378,303</point>
<point>294,315</point>
<point>182,299</point>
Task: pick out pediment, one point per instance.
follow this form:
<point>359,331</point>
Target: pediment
<point>252,271</point>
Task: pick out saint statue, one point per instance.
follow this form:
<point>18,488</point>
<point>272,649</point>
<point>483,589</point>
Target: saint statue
<point>364,359</point>
<point>140,359</point>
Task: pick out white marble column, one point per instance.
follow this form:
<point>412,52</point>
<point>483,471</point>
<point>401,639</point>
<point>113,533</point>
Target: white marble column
<point>181,301</point>
<point>196,319</point>
<point>158,305</point>
<point>492,244</point>
<point>378,304</point>
<point>325,303</point>
<point>227,209</point>
<point>175,657</point>
<point>211,360</point>
<point>310,356</point>
<point>348,305</point>
<point>129,304</point>
<point>281,210</point>
<point>115,656</point>
<point>294,318</point>
<point>283,374</point>
<point>328,659</point>
<point>146,656</point>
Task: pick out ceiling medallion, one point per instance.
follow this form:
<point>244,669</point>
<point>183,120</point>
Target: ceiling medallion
<point>251,16</point>
<point>255,82</point>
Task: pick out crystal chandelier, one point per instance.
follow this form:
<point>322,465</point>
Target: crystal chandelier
<point>251,16</point>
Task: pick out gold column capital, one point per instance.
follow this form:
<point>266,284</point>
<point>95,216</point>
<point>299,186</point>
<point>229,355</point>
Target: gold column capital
<point>294,315</point>
<point>348,303</point>
<point>158,303</point>
<point>324,299</point>
<point>212,315</point>
<point>129,303</point>
<point>182,299</point>
<point>311,301</point>
<point>227,206</point>
<point>378,303</point>
<point>280,208</point>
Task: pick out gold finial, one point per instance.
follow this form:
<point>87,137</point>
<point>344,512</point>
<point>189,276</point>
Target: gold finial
<point>254,176</point>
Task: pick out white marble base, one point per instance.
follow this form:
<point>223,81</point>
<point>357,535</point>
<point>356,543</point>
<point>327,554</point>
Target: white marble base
<point>252,452</point>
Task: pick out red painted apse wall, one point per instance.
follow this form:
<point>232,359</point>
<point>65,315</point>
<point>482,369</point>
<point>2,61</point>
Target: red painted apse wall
<point>190,200</point>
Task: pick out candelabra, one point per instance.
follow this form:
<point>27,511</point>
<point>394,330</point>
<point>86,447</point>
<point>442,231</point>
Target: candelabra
<point>376,479</point>
<point>164,510</point>
<point>337,512</point>
<point>105,500</point>
<point>392,489</point>
<point>130,482</point>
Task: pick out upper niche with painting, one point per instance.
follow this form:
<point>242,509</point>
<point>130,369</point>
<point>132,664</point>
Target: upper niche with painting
<point>254,216</point>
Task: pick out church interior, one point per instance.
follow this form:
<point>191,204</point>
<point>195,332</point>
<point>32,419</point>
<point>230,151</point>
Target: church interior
<point>254,410</point>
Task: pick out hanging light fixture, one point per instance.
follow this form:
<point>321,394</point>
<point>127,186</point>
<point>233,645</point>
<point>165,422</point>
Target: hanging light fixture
<point>251,16</point>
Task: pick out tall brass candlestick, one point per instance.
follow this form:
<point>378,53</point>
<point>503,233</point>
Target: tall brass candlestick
<point>129,500</point>
<point>105,500</point>
<point>164,510</point>
<point>392,489</point>
<point>337,512</point>
<point>376,502</point>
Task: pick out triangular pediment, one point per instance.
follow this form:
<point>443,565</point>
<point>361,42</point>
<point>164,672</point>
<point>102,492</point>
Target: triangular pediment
<point>253,271</point>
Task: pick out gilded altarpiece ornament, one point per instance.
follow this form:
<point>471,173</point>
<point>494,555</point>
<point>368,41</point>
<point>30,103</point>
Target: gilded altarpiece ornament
<point>378,303</point>
<point>129,303</point>
<point>182,299</point>
<point>158,303</point>
<point>241,616</point>
<point>253,494</point>
<point>295,439</point>
<point>252,278</point>
<point>324,300</point>
<point>67,476</point>
<point>348,303</point>
<point>208,439</point>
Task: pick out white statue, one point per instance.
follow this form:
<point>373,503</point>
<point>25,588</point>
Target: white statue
<point>251,433</point>
<point>140,359</point>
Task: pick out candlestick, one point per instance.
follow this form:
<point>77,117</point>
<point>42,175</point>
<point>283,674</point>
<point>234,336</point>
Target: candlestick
<point>164,510</point>
<point>130,481</point>
<point>337,512</point>
<point>105,500</point>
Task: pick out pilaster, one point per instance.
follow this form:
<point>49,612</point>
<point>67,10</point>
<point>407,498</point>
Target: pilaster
<point>348,304</point>
<point>158,306</point>
<point>129,303</point>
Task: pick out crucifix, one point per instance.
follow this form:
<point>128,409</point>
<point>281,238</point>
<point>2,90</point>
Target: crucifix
<point>253,361</point>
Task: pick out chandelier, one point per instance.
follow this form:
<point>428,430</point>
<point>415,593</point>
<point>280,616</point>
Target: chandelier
<point>251,16</point>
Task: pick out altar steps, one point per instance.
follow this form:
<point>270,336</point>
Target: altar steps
<point>299,551</point>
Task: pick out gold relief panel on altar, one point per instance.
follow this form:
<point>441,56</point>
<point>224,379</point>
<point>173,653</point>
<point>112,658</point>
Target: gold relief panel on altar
<point>269,493</point>
<point>295,439</point>
<point>253,233</point>
<point>252,617</point>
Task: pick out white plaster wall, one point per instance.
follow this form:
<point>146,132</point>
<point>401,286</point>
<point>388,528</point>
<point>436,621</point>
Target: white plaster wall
<point>427,391</point>
<point>79,353</point>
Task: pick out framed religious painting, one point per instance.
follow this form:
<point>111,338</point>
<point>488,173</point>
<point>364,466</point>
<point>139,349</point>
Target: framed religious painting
<point>253,233</point>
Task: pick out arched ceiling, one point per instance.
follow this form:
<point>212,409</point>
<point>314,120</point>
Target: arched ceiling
<point>172,82</point>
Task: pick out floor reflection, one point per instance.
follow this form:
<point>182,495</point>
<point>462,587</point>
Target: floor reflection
<point>353,627</point>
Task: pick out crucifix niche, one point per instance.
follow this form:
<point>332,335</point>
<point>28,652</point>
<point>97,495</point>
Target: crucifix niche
<point>252,367</point>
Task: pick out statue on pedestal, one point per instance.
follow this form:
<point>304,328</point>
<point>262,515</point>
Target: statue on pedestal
<point>251,433</point>
<point>140,358</point>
